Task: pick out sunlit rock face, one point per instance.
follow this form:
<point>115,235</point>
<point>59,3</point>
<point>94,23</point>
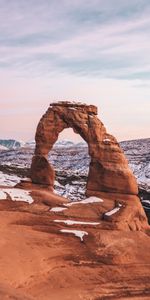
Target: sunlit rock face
<point>108,170</point>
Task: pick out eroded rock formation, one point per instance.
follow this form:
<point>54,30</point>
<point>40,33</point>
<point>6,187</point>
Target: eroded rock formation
<point>108,170</point>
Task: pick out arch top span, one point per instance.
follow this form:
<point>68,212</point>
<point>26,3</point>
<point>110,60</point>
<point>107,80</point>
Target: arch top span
<point>108,170</point>
<point>76,105</point>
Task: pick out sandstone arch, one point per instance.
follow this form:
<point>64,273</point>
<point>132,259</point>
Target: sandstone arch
<point>108,170</point>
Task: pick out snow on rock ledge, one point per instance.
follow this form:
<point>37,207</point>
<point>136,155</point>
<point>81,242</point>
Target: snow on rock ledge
<point>3,195</point>
<point>57,209</point>
<point>74,222</point>
<point>78,233</point>
<point>18,195</point>
<point>89,200</point>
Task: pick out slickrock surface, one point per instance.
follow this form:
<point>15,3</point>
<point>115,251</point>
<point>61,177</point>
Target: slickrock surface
<point>93,249</point>
<point>42,255</point>
<point>108,170</point>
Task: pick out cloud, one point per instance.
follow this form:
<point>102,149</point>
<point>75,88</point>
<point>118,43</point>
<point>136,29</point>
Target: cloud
<point>99,38</point>
<point>86,50</point>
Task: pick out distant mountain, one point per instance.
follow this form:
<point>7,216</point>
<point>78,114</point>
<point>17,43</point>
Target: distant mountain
<point>138,155</point>
<point>11,143</point>
<point>6,144</point>
<point>64,144</point>
<point>59,144</point>
<point>30,144</point>
<point>3,148</point>
<point>69,144</point>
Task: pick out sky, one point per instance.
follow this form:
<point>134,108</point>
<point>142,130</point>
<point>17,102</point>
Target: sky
<point>96,52</point>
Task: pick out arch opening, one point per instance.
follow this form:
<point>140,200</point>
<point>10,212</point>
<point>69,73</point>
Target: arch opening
<point>70,159</point>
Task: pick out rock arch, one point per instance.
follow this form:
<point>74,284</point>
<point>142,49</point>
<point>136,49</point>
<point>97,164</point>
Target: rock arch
<point>108,170</point>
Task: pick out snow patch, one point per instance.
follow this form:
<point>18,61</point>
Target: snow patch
<point>146,201</point>
<point>2,148</point>
<point>19,195</point>
<point>78,233</point>
<point>106,140</point>
<point>113,211</point>
<point>73,222</point>
<point>89,200</point>
<point>57,184</point>
<point>72,108</point>
<point>3,195</point>
<point>57,209</point>
<point>9,180</point>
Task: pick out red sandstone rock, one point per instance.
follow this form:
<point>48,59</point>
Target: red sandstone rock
<point>41,171</point>
<point>109,170</point>
<point>40,262</point>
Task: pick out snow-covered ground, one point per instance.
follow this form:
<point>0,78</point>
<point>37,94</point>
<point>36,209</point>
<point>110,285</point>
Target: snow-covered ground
<point>71,163</point>
<point>2,148</point>
<point>138,155</point>
<point>8,180</point>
